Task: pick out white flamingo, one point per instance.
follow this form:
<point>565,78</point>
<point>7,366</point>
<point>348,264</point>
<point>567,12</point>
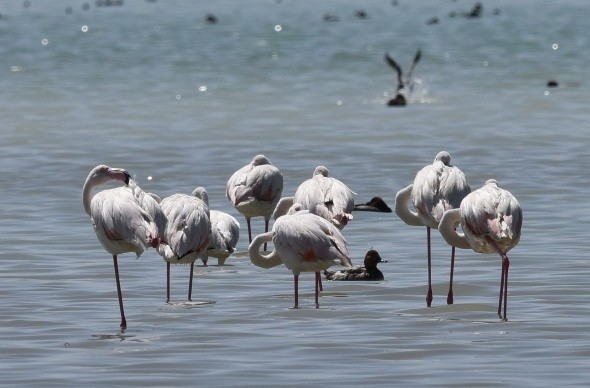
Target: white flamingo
<point>304,242</point>
<point>255,189</point>
<point>225,233</point>
<point>436,188</point>
<point>324,196</point>
<point>119,217</point>
<point>188,232</point>
<point>491,219</point>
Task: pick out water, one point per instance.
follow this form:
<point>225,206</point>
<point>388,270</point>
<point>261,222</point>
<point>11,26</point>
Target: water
<point>151,87</point>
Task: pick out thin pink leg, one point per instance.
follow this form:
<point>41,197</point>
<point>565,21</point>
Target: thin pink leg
<point>450,295</point>
<point>190,282</point>
<point>120,295</point>
<point>249,230</point>
<point>318,282</point>
<point>429,292</point>
<point>167,282</point>
<point>266,220</point>
<point>296,285</point>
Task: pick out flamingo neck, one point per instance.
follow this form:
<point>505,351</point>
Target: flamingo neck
<point>87,194</point>
<point>447,228</point>
<point>402,199</point>
<point>258,259</point>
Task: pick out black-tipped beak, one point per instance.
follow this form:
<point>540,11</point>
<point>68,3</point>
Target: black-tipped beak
<point>127,177</point>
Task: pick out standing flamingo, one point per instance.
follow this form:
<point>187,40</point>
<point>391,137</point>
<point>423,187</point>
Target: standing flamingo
<point>225,233</point>
<point>491,219</point>
<point>327,197</point>
<point>304,242</point>
<point>188,232</point>
<point>436,188</point>
<point>119,217</point>
<point>255,190</point>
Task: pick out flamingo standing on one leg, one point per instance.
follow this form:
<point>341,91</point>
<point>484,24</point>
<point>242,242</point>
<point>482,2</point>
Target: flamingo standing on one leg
<point>436,188</point>
<point>304,242</point>
<point>188,232</point>
<point>119,217</point>
<point>491,219</point>
<point>255,189</point>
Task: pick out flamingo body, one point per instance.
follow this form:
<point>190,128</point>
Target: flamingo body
<point>225,233</point>
<point>304,242</point>
<point>255,189</point>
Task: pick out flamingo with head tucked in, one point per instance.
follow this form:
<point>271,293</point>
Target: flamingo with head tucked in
<point>491,219</point>
<point>437,187</point>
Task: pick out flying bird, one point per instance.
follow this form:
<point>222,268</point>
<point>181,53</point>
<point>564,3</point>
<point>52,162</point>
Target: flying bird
<point>255,189</point>
<point>437,187</point>
<point>368,271</point>
<point>119,217</point>
<point>404,83</point>
<point>491,219</point>
<point>304,242</point>
<point>188,232</point>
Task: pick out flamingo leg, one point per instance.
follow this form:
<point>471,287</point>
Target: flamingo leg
<point>504,288</point>
<point>190,282</point>
<point>296,285</point>
<point>167,282</point>
<point>249,230</point>
<point>266,221</point>
<point>318,283</point>
<point>429,292</point>
<point>119,294</point>
<point>450,295</point>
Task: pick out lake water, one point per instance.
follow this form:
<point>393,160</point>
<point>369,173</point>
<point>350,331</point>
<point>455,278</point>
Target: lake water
<point>153,88</point>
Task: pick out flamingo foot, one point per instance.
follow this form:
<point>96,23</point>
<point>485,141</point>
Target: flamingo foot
<point>450,298</point>
<point>429,298</point>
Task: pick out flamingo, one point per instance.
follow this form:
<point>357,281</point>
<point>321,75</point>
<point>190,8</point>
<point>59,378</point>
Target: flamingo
<point>403,83</point>
<point>436,188</point>
<point>225,233</point>
<point>255,189</point>
<point>368,271</point>
<point>188,232</point>
<point>304,242</point>
<point>491,219</point>
<point>324,196</point>
<point>119,217</point>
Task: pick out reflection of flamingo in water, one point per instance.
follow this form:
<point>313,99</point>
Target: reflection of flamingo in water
<point>404,83</point>
<point>491,219</point>
<point>255,189</point>
<point>304,242</point>
<point>436,188</point>
<point>188,232</point>
<point>119,217</point>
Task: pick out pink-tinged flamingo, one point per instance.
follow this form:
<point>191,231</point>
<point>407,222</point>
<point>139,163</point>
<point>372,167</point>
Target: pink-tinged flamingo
<point>119,217</point>
<point>491,219</point>
<point>304,242</point>
<point>225,233</point>
<point>255,189</point>
<point>437,187</point>
<point>188,232</point>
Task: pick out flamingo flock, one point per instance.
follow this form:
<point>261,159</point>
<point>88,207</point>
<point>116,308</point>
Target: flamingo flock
<point>307,232</point>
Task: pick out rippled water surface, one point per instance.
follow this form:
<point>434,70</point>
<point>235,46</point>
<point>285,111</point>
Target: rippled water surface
<point>151,87</point>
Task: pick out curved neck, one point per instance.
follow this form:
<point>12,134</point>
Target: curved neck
<point>402,199</point>
<point>87,194</point>
<point>447,228</point>
<point>258,259</point>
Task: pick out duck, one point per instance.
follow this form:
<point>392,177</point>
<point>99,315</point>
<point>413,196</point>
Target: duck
<point>376,204</point>
<point>369,271</point>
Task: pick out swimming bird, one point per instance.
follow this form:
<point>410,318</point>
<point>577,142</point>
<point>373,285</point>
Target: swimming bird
<point>404,83</point>
<point>188,232</point>
<point>225,233</point>
<point>327,197</point>
<point>491,219</point>
<point>119,218</point>
<point>376,204</point>
<point>304,242</point>
<point>255,189</point>
<point>369,271</point>
<point>437,187</point>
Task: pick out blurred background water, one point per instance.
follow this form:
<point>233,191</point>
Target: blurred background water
<point>152,87</point>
